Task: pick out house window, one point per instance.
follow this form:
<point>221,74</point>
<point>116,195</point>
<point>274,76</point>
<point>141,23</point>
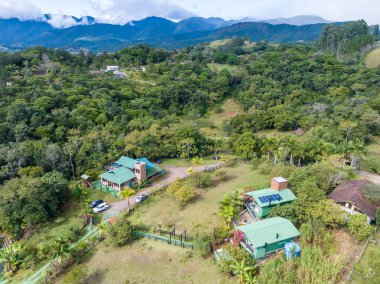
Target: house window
<point>137,171</point>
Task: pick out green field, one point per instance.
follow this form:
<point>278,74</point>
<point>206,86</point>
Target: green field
<point>149,261</point>
<point>202,213</point>
<point>53,230</point>
<point>374,147</point>
<point>367,270</point>
<point>185,162</point>
<point>212,125</point>
<point>219,67</point>
<point>372,60</point>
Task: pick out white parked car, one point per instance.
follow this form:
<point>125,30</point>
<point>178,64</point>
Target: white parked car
<point>101,207</point>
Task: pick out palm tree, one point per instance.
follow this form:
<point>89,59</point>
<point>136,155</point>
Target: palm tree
<point>229,207</point>
<point>12,257</point>
<point>102,226</point>
<point>274,147</point>
<point>267,146</point>
<point>299,152</point>
<point>320,149</point>
<point>61,248</point>
<point>292,146</point>
<point>356,152</point>
<point>127,193</point>
<point>241,270</point>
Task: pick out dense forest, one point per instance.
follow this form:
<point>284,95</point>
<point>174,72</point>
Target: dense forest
<point>61,115</point>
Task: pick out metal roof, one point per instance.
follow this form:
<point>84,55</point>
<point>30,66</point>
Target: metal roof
<point>269,231</point>
<point>84,176</point>
<point>119,175</point>
<point>127,162</point>
<point>286,195</point>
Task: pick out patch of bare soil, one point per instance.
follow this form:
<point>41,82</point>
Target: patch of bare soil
<point>349,248</point>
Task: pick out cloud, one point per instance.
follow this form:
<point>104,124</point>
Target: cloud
<point>23,10</point>
<point>123,11</point>
<point>62,21</point>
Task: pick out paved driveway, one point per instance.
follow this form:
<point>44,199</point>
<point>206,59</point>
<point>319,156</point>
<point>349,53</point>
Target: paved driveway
<point>172,174</point>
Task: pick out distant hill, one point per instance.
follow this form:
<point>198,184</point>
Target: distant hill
<point>298,20</point>
<point>153,30</point>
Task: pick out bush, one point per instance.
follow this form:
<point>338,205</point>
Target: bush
<point>359,227</point>
<point>372,193</point>
<point>221,174</point>
<point>371,165</point>
<point>201,180</point>
<point>120,233</point>
<point>202,245</point>
<point>77,275</point>
<point>236,254</point>
<point>265,168</point>
<point>184,194</point>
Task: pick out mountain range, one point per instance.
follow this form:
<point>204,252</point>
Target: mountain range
<point>86,33</point>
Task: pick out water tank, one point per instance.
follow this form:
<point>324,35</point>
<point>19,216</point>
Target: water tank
<point>292,249</point>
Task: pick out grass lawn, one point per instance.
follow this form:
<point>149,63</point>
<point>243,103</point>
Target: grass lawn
<point>183,162</point>
<point>374,147</point>
<point>212,125</point>
<point>72,220</point>
<point>202,213</point>
<point>367,270</point>
<point>372,59</point>
<point>149,261</point>
<point>52,230</point>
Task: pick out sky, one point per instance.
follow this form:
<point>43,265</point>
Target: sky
<point>123,11</point>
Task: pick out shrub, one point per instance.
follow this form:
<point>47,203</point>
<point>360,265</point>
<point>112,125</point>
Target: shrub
<point>202,245</point>
<point>120,233</point>
<point>359,227</point>
<point>265,168</point>
<point>184,194</point>
<point>371,165</point>
<point>372,193</point>
<point>76,275</point>
<point>235,254</point>
<point>201,180</point>
<point>221,174</point>
<point>181,191</point>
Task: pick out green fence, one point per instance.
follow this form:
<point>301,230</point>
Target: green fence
<point>168,240</point>
<point>98,185</point>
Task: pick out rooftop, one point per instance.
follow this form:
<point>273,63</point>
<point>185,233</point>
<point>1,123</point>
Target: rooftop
<point>350,192</point>
<point>269,231</point>
<point>119,175</point>
<point>285,194</point>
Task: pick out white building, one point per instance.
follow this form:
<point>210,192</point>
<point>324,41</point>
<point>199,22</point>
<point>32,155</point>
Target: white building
<point>112,68</point>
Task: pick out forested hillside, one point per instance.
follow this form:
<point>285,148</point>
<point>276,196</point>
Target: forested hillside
<point>62,116</point>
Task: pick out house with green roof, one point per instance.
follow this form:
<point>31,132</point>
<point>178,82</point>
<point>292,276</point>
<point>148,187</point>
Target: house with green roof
<point>266,236</point>
<point>259,202</point>
<point>126,172</point>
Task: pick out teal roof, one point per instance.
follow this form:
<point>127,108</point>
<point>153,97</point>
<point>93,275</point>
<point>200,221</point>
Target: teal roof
<point>127,162</point>
<point>151,169</point>
<point>286,194</point>
<point>269,231</point>
<point>119,175</point>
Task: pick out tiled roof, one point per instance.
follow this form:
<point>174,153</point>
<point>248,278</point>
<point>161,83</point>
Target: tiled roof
<point>350,192</point>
